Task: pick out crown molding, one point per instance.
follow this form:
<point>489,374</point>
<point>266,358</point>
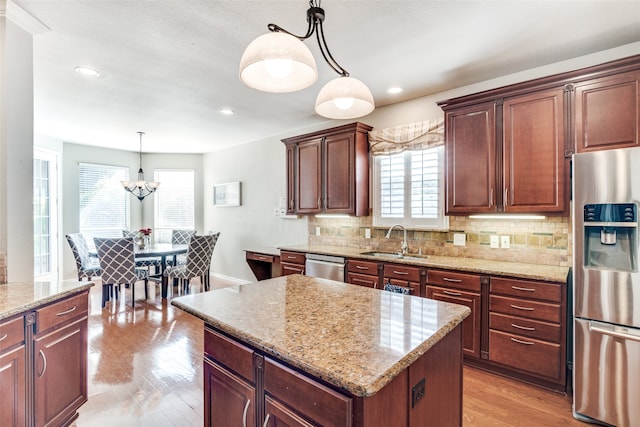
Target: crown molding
<point>22,18</point>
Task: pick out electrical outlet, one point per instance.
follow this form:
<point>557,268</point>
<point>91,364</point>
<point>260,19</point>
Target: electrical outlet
<point>504,242</point>
<point>367,233</point>
<point>495,242</point>
<point>459,239</point>
<point>317,231</point>
<point>417,392</point>
<point>276,212</point>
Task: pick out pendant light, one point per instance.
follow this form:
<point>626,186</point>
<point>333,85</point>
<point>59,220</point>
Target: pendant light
<point>279,61</point>
<point>140,188</point>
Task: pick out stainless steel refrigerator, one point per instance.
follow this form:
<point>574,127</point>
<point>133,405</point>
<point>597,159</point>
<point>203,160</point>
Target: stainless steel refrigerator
<point>606,287</point>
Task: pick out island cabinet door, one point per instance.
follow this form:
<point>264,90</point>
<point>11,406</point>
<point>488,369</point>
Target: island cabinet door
<point>12,394</point>
<point>229,400</point>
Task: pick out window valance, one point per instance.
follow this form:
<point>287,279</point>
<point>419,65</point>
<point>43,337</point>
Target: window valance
<point>411,136</point>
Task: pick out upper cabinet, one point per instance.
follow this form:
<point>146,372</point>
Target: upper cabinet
<point>507,155</point>
<point>328,171</point>
<point>607,112</point>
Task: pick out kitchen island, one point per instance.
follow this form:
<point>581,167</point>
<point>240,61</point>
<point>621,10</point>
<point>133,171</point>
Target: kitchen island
<point>308,351</point>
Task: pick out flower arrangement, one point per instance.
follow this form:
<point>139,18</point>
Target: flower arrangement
<point>143,237</point>
<point>144,232</point>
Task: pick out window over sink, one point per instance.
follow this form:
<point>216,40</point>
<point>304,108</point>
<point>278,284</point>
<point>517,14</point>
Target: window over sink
<point>409,189</point>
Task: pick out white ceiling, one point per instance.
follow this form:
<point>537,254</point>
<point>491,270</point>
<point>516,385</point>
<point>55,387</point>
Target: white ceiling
<point>169,66</point>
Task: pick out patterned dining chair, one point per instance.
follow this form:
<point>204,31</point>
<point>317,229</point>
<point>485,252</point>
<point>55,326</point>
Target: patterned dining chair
<point>117,261</point>
<point>87,267</point>
<point>198,262</point>
<point>180,237</point>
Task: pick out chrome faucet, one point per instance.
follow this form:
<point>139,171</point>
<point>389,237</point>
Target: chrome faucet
<point>404,247</point>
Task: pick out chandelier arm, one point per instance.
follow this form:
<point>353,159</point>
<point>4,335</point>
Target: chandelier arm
<point>274,28</point>
<point>326,54</point>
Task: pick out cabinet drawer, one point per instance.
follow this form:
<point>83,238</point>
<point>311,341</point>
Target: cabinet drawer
<point>317,401</point>
<point>525,308</point>
<point>11,333</point>
<point>363,280</point>
<point>527,289</point>
<point>402,272</point>
<point>260,257</point>
<point>62,311</point>
<point>229,353</point>
<point>292,257</point>
<point>414,286</point>
<point>362,267</point>
<point>526,327</point>
<point>451,279</point>
<point>537,357</point>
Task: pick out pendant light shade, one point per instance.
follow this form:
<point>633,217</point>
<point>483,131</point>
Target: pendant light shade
<point>140,188</point>
<point>344,98</point>
<point>278,62</point>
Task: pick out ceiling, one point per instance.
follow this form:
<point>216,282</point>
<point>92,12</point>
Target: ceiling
<point>169,66</point>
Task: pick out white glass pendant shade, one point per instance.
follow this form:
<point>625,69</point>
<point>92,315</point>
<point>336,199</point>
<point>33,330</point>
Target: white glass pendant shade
<point>344,98</point>
<point>278,62</point>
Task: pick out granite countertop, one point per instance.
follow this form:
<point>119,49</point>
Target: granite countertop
<point>550,273</point>
<point>16,298</point>
<point>265,250</point>
<point>353,337</point>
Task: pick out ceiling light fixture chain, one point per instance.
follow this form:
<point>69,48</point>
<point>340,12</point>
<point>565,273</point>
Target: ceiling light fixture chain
<point>140,188</point>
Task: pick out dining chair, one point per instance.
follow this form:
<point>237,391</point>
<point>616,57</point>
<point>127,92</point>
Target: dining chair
<point>198,262</point>
<point>180,237</point>
<point>117,261</point>
<point>156,263</point>
<point>87,267</point>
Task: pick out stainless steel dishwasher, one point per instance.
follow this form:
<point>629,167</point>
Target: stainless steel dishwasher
<point>325,267</point>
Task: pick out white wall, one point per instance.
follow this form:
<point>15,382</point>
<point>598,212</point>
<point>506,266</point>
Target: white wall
<point>261,167</point>
<point>16,150</point>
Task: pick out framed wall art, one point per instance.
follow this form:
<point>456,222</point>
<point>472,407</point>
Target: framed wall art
<point>227,194</point>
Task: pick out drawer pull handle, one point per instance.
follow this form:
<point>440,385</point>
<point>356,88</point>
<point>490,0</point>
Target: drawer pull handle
<point>262,258</point>
<point>522,342</point>
<point>525,328</point>
<point>359,267</point>
<point>244,413</point>
<point>291,257</point>
<point>266,421</point>
<point>517,307</point>
<point>455,294</point>
<point>3,337</point>
<point>71,310</point>
<point>518,288</point>
<point>402,273</point>
<point>375,285</point>
<point>446,279</point>
<point>44,364</point>
<point>614,334</point>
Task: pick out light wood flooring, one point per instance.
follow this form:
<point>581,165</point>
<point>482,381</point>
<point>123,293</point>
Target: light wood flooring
<point>145,369</point>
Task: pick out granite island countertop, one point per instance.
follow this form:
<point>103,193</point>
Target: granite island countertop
<point>353,337</point>
<point>16,298</point>
<point>522,270</point>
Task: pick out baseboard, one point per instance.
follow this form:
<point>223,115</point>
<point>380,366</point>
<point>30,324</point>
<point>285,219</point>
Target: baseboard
<point>233,280</point>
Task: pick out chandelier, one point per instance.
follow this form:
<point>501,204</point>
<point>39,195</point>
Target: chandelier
<point>140,188</point>
<point>280,62</point>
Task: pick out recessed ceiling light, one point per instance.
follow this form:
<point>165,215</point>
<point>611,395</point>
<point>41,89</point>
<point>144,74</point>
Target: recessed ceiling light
<point>227,111</point>
<point>394,90</point>
<point>86,71</point>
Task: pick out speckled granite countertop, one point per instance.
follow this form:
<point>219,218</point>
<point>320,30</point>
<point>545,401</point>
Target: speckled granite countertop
<point>266,250</point>
<point>475,265</point>
<point>16,298</point>
<point>353,337</point>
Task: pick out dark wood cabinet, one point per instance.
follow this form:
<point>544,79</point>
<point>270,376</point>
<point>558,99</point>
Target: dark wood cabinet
<point>292,262</point>
<point>527,330</point>
<point>328,171</point>
<point>363,273</point>
<point>607,112</point>
<point>229,400</point>
<point>264,264</point>
<point>12,373</point>
<point>464,289</point>
<point>507,155</point>
<point>404,276</point>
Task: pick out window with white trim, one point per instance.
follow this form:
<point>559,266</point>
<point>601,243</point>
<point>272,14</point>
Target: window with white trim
<point>174,202</point>
<point>409,189</point>
<point>104,205</point>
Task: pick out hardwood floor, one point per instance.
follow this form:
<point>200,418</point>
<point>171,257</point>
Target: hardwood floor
<point>145,369</point>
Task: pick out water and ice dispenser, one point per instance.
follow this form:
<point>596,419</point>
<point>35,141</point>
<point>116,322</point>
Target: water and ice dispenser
<point>611,236</point>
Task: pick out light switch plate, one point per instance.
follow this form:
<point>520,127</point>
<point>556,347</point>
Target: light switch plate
<point>317,231</point>
<point>459,239</point>
<point>504,242</point>
<point>367,233</point>
<point>495,242</point>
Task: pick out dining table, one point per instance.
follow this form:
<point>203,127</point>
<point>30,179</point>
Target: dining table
<point>163,251</point>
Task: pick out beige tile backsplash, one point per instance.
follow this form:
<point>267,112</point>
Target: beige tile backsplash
<point>3,268</point>
<point>545,241</point>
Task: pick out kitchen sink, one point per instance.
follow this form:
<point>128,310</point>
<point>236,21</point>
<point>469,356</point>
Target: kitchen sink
<point>396,255</point>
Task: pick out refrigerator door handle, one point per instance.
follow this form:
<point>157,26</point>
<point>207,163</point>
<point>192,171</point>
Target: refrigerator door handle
<point>615,334</point>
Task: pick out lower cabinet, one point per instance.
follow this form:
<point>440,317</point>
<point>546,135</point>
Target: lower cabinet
<point>43,364</point>
<point>363,273</point>
<point>292,262</point>
<point>404,276</point>
<point>463,289</point>
<point>229,400</point>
